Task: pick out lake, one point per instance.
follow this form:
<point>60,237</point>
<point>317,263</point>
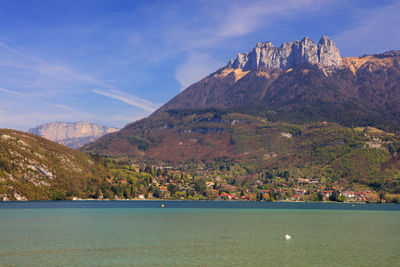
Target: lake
<point>197,233</point>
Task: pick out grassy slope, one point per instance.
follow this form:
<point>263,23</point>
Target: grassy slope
<point>315,150</point>
<point>38,169</point>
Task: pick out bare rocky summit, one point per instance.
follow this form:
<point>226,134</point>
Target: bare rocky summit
<point>72,134</point>
<point>289,55</point>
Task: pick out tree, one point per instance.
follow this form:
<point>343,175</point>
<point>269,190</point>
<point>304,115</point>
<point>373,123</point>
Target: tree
<point>259,196</point>
<point>189,193</point>
<point>320,197</point>
<point>148,169</point>
<point>126,193</point>
<point>285,174</point>
<point>200,187</point>
<point>172,188</point>
<point>335,196</point>
<point>134,191</point>
<point>98,193</point>
<point>156,192</point>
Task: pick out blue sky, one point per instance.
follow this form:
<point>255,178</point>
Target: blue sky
<point>113,62</point>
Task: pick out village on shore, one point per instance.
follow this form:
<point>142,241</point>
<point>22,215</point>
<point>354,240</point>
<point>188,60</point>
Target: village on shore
<point>154,182</point>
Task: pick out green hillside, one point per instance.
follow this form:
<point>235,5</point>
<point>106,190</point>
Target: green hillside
<point>35,168</point>
<point>322,150</point>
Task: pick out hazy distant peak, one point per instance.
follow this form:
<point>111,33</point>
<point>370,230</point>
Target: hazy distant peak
<point>72,134</point>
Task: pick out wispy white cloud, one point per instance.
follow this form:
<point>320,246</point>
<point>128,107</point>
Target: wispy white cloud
<point>376,29</point>
<point>244,17</point>
<point>12,92</point>
<point>40,69</point>
<point>196,67</point>
<point>41,86</point>
<point>128,99</point>
<point>26,118</point>
<point>226,21</point>
<point>71,110</point>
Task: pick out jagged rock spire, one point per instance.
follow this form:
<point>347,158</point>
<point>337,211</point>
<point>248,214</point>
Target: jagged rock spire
<point>289,54</point>
<point>328,54</point>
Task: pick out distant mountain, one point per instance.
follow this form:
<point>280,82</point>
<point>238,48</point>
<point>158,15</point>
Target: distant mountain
<point>34,168</point>
<point>72,134</point>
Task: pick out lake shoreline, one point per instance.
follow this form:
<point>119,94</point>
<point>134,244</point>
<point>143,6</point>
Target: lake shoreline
<point>204,204</point>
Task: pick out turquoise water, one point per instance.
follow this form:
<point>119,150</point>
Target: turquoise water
<point>78,234</point>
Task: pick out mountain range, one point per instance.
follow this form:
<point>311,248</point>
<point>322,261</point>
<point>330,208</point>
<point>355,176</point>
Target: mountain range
<point>297,83</point>
<point>72,134</point>
<point>302,82</point>
<point>298,110</point>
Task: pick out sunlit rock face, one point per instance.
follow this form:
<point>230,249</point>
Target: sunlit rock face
<point>289,55</point>
<point>72,134</point>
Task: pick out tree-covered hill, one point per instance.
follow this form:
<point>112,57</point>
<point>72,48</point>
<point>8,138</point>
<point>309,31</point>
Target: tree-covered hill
<point>34,168</point>
<point>321,150</point>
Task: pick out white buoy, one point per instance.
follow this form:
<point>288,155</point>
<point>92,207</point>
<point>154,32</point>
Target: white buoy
<point>287,237</point>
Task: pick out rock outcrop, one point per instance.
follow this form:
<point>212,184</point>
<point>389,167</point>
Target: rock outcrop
<point>289,55</point>
<point>72,134</point>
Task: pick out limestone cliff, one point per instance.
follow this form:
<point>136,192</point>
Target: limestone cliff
<point>72,134</point>
<point>289,55</point>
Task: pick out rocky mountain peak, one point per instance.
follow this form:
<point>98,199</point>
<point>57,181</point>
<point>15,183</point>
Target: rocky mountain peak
<point>328,54</point>
<point>289,54</point>
<point>72,134</point>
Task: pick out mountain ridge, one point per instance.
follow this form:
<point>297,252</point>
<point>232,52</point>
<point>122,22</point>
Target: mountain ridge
<point>289,55</point>
<point>366,85</point>
<point>72,134</point>
<point>292,119</point>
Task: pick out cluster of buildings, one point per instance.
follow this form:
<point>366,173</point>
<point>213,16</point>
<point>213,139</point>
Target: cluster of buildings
<point>203,183</point>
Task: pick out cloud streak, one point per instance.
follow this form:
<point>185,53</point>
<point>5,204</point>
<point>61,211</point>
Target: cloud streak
<point>195,68</point>
<point>128,99</point>
<point>27,118</point>
<point>40,69</point>
<point>12,92</point>
<point>376,30</point>
<point>41,85</point>
<point>245,17</point>
<point>226,21</point>
<point>43,90</point>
